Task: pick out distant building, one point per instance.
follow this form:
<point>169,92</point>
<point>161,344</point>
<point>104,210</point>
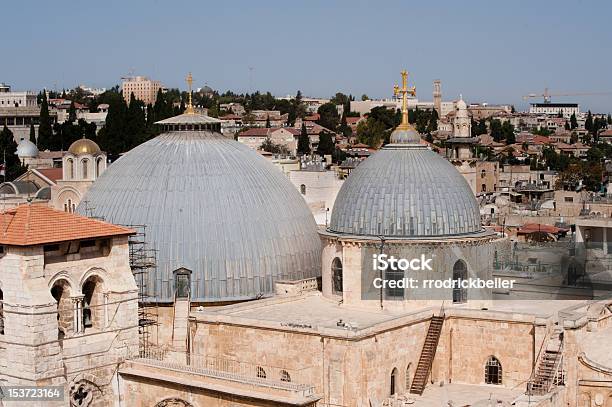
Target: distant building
<point>566,109</point>
<point>143,88</point>
<point>19,119</point>
<point>16,99</point>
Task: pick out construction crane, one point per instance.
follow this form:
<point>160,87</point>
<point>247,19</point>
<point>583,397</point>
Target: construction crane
<point>546,95</point>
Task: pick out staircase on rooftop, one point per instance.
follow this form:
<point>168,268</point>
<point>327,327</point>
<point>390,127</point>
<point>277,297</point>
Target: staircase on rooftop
<point>548,370</point>
<point>427,355</point>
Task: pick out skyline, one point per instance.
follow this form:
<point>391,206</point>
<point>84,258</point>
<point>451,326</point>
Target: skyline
<point>493,54</point>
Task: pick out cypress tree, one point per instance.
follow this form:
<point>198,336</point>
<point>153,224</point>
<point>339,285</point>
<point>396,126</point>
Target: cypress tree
<point>303,146</point>
<point>32,134</point>
<point>573,122</point>
<point>45,131</point>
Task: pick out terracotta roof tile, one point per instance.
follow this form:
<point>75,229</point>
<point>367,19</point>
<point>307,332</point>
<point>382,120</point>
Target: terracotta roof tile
<point>53,174</point>
<point>35,224</point>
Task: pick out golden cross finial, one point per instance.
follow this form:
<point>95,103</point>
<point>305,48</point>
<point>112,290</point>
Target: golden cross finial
<point>189,80</point>
<point>404,91</point>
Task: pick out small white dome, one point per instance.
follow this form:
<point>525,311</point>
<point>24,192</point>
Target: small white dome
<point>26,148</point>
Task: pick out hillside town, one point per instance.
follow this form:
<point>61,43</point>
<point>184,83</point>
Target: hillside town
<point>550,165</point>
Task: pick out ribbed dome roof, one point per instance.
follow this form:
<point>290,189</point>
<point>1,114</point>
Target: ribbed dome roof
<point>26,148</point>
<point>84,146</point>
<point>214,206</point>
<point>405,191</point>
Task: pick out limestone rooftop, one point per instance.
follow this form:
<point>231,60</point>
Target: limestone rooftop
<point>311,312</point>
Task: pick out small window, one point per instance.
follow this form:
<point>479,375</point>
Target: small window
<point>493,371</point>
<point>88,243</point>
<point>303,189</point>
<point>569,199</point>
<point>285,377</point>
<point>261,373</point>
<point>51,247</point>
<point>393,388</point>
<point>337,276</point>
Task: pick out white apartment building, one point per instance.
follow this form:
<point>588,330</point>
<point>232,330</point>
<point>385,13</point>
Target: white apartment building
<point>15,99</point>
<point>567,109</point>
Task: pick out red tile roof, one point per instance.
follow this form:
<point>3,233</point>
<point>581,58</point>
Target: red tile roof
<point>53,174</point>
<point>35,224</point>
<point>255,132</point>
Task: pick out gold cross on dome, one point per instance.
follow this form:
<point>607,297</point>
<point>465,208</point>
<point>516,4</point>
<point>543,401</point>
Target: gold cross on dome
<point>189,80</point>
<point>404,91</point>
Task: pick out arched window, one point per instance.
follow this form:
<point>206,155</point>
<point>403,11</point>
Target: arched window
<point>261,373</point>
<point>459,275</point>
<point>70,169</point>
<point>493,371</point>
<point>93,304</point>
<point>85,165</point>
<point>61,292</point>
<point>99,162</point>
<point>393,388</point>
<point>337,276</point>
<point>1,313</point>
<point>285,376</point>
<point>483,187</point>
<point>303,189</point>
<point>69,204</point>
<point>408,375</point>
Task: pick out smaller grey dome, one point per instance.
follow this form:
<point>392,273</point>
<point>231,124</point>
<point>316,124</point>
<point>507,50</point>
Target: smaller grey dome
<point>26,148</point>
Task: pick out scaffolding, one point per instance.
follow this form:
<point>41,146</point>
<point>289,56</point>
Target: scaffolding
<point>143,262</point>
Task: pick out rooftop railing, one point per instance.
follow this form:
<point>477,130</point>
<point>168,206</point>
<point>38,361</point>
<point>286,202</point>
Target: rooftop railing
<point>233,370</point>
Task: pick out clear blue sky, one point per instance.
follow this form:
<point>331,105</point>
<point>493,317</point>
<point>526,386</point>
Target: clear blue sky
<point>487,50</point>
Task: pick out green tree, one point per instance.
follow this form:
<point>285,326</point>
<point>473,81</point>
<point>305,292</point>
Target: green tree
<point>588,124</point>
<point>72,115</point>
<point>496,129</point>
<point>567,126</point>
<point>303,146</point>
<point>507,130</point>
<point>433,121</point>
<point>609,119</point>
<point>365,97</point>
<point>45,131</point>
<point>273,148</point>
<point>328,116</point>
<point>573,121</point>
<point>326,143</point>
<point>268,122</point>
<point>594,155</point>
<point>8,151</point>
<point>32,134</point>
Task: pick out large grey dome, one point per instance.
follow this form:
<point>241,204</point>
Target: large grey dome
<point>215,207</point>
<point>405,191</point>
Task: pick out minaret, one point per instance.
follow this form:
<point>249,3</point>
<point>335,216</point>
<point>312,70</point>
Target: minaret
<point>463,125</point>
<point>437,97</point>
